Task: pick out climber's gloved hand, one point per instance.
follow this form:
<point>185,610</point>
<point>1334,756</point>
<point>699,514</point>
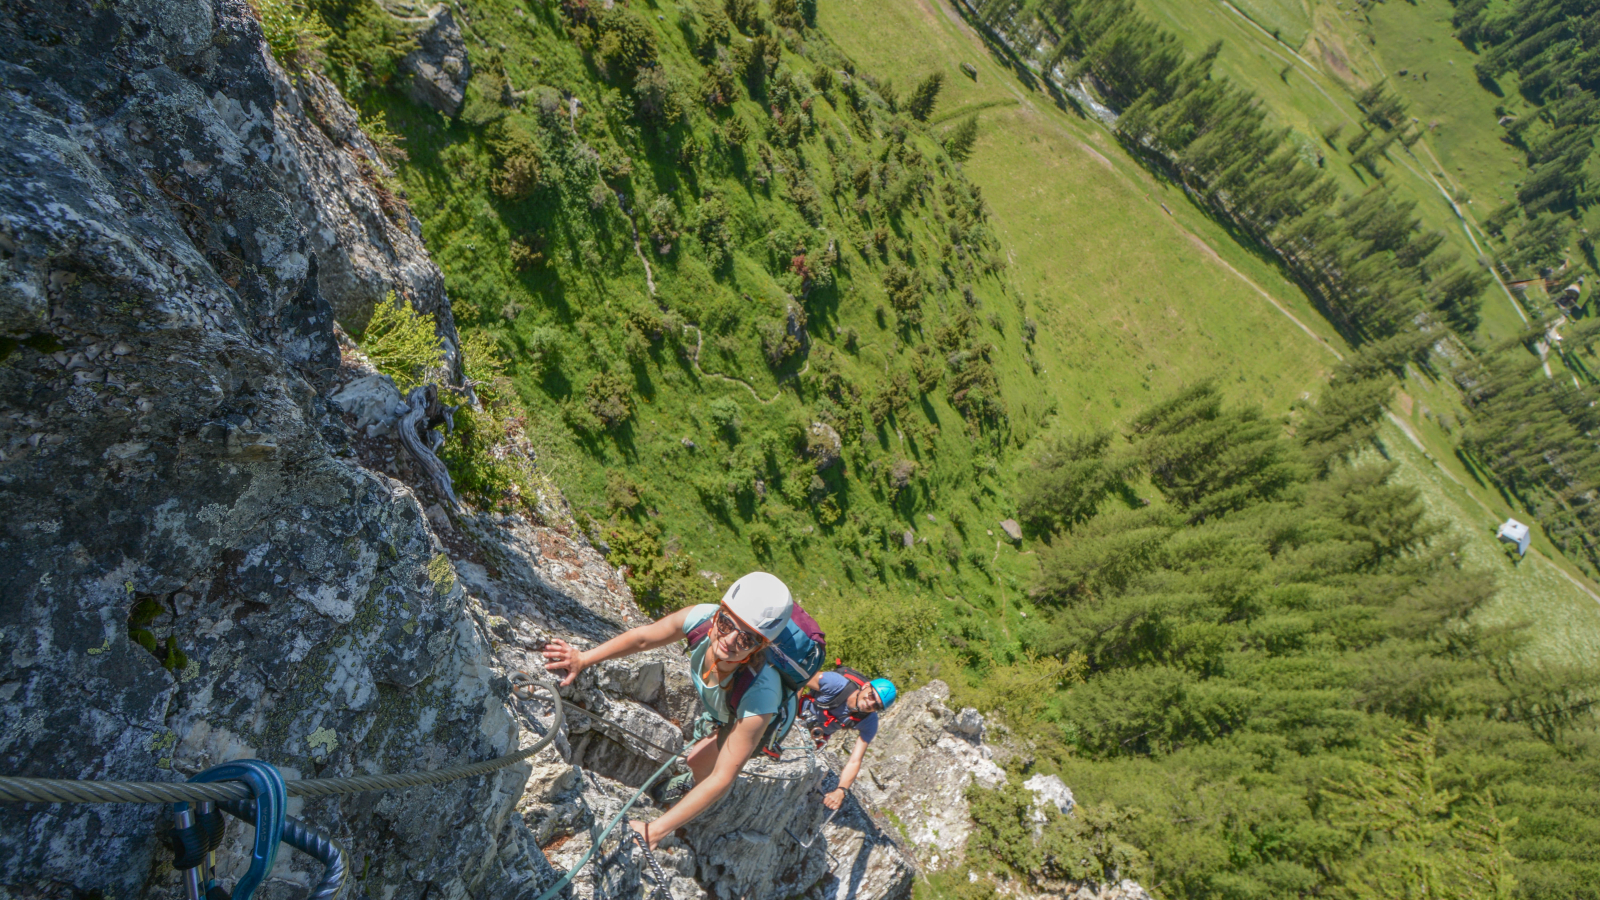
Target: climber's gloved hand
<point>833,798</point>
<point>559,655</point>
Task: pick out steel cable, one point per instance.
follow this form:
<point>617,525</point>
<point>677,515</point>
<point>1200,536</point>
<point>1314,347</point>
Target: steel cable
<point>64,790</point>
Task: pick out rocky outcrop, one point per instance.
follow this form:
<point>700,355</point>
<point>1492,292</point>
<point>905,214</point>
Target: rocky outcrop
<point>823,445</point>
<point>194,569</point>
<point>439,67</point>
<point>549,582</point>
<point>919,769</point>
<point>356,223</point>
<point>213,549</point>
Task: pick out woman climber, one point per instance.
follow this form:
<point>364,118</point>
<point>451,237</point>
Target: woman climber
<point>727,663</point>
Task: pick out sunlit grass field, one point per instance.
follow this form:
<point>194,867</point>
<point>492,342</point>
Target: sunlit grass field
<point>1135,297</point>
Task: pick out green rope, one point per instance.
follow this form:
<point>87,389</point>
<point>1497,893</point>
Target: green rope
<point>595,844</point>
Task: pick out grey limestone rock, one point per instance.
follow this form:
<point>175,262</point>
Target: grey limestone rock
<point>439,66</point>
<point>823,445</point>
<point>171,477</point>
<point>920,766</point>
<point>1048,791</point>
<point>373,401</point>
<point>366,241</point>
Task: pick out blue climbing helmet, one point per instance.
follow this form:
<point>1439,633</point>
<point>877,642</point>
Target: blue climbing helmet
<point>884,688</point>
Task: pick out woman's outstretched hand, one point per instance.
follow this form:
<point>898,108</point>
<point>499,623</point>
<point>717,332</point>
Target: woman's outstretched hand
<point>559,654</point>
<point>644,831</point>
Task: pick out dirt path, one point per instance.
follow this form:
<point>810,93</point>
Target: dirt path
<point>947,7</point>
<point>694,361</point>
<point>1207,249</point>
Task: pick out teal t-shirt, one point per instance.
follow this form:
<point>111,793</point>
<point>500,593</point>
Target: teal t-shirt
<point>760,700</point>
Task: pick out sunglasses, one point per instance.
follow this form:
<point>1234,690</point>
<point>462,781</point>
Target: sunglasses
<point>744,640</point>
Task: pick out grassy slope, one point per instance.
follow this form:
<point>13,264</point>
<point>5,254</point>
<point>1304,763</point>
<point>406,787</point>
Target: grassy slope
<point>1034,161</point>
<point>1337,56</point>
<point>703,500</point>
<point>1137,300</point>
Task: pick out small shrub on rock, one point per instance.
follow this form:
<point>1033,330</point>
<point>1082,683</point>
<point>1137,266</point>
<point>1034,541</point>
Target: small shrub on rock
<point>402,344</point>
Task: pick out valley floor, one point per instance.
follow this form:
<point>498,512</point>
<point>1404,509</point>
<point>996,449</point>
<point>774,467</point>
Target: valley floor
<point>1144,293</point>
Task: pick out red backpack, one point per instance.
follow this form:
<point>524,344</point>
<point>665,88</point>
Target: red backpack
<point>828,717</point>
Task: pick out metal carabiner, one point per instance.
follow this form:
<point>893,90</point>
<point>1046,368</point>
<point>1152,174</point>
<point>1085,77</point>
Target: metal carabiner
<point>271,803</point>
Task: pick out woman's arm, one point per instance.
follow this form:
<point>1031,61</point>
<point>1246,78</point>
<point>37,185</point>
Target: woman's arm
<point>735,747</point>
<point>847,776</point>
<point>562,655</point>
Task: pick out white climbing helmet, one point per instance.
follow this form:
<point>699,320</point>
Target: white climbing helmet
<point>762,601</point>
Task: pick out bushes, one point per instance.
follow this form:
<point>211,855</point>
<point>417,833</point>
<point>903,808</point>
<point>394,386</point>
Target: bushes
<point>710,226</point>
<point>881,633</point>
<point>609,398</point>
<point>1082,847</point>
<point>295,33</point>
<point>486,452</point>
<point>744,14</point>
<point>662,579</point>
<point>904,288</point>
<point>627,43</point>
<point>724,413</point>
<point>655,97</point>
<point>517,174</point>
<point>402,344</point>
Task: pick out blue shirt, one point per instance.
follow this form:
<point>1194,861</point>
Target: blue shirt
<point>760,700</point>
<point>832,691</point>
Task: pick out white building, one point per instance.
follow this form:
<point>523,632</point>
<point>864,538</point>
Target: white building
<point>1514,532</point>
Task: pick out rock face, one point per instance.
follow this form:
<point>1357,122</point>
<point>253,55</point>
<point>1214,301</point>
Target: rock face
<point>920,766</point>
<point>211,551</point>
<point>363,235</point>
<point>439,67</point>
<point>172,475</point>
<point>919,769</point>
<point>741,847</point>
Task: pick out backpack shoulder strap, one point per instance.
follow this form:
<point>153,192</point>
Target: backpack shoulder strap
<point>741,685</point>
<point>699,632</point>
<point>851,674</point>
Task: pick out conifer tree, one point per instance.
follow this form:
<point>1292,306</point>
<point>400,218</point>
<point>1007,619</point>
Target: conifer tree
<point>961,138</point>
<point>924,96</point>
